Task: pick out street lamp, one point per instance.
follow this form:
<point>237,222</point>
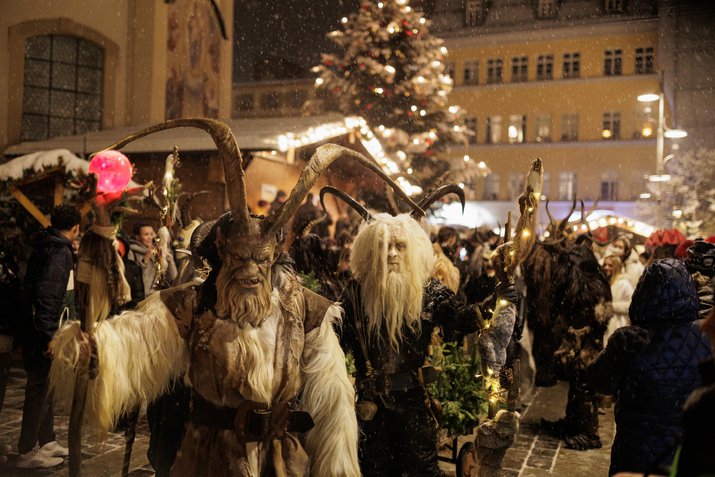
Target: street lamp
<point>662,132</point>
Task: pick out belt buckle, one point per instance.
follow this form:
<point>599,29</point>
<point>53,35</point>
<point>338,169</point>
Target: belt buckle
<point>247,422</point>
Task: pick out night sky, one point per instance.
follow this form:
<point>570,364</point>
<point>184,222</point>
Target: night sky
<point>289,33</point>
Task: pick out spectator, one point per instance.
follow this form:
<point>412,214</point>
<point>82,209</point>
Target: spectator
<point>143,252</point>
<point>632,267</point>
<point>277,203</point>
<point>133,274</point>
<point>306,213</point>
<point>49,286</point>
<point>621,291</point>
<point>700,261</point>
<point>262,207</point>
<point>652,367</point>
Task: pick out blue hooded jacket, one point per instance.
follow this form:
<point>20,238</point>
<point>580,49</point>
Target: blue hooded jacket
<point>652,367</point>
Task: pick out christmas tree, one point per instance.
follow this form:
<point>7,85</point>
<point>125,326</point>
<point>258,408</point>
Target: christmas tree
<point>390,70</point>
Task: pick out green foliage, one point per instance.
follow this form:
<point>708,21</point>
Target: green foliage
<point>350,364</point>
<point>309,281</point>
<point>459,389</point>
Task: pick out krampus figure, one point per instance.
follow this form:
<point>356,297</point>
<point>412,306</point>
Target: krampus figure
<point>259,350</point>
<point>564,273</point>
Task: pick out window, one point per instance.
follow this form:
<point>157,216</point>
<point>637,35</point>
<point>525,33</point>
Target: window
<point>613,63</point>
<point>546,185</point>
<point>609,187</point>
<point>471,72</point>
<point>611,125</point>
<point>644,61</point>
<point>645,122</point>
<point>494,70</point>
<point>515,185</point>
<point>543,128</point>
<point>493,130</point>
<point>567,185</point>
<point>246,102</point>
<point>449,70</point>
<point>613,6</point>
<point>517,128</point>
<point>545,67</point>
<point>473,12</point>
<point>296,99</point>
<point>572,65</point>
<point>569,127</point>
<point>491,187</point>
<point>471,124</point>
<point>63,87</point>
<point>270,101</point>
<point>545,9</point>
<point>519,68</point>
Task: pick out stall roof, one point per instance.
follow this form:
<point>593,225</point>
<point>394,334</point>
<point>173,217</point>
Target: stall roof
<point>251,134</point>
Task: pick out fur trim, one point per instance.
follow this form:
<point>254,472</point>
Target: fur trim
<point>330,399</point>
<point>492,342</point>
<point>139,353</point>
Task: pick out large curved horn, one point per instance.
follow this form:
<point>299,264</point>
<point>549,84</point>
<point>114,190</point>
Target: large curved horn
<point>321,159</point>
<point>565,221</point>
<point>227,149</point>
<point>347,199</point>
<point>309,226</point>
<point>437,194</point>
<point>552,222</point>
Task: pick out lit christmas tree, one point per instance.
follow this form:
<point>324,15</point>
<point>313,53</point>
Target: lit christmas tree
<point>389,69</point>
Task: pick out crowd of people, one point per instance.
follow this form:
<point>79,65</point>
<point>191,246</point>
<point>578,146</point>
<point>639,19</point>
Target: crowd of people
<point>396,283</point>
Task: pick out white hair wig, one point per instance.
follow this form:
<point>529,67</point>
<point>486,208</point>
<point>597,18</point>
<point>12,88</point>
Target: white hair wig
<point>392,298</point>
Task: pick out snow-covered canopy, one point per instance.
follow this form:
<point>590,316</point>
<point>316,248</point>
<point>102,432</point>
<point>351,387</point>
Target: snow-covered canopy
<point>35,162</point>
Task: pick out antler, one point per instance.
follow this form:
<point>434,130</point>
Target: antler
<point>347,199</point>
<point>565,221</point>
<point>227,149</point>
<point>437,194</point>
<point>321,159</point>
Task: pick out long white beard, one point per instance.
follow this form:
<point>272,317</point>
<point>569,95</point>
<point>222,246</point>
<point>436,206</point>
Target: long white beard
<point>396,302</point>
<point>241,307</point>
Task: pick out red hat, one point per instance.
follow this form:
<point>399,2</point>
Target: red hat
<point>665,237</point>
<point>681,251</point>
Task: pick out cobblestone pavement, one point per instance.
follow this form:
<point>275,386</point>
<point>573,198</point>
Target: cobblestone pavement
<point>534,454</point>
<point>98,460</point>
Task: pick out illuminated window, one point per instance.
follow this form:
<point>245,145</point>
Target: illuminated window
<point>567,185</point>
<point>611,125</point>
<point>572,65</point>
<point>62,87</point>
<point>515,185</point>
<point>543,128</point>
<point>493,130</point>
<point>545,9</point>
<point>517,128</point>
<point>644,61</point>
<point>613,63</point>
<point>613,6</point>
<point>545,67</point>
<point>519,68</point>
<point>495,67</point>
<point>471,72</point>
<point>473,12</point>
<point>569,127</point>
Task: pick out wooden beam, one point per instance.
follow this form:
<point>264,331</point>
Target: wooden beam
<point>29,206</point>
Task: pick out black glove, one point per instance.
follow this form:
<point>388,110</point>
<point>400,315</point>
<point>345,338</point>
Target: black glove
<point>506,291</point>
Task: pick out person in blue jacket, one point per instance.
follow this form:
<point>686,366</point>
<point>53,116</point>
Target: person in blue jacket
<point>652,367</point>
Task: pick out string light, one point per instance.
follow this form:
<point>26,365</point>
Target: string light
<point>319,81</point>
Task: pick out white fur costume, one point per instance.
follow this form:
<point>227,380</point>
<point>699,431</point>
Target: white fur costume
<point>292,353</point>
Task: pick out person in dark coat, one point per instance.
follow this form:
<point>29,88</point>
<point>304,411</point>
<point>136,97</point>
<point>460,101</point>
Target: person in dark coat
<point>652,367</point>
<point>49,284</point>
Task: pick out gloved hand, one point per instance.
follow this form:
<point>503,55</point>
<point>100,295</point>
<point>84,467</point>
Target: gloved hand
<point>506,291</point>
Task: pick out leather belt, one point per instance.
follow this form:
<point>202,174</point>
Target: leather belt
<point>252,421</point>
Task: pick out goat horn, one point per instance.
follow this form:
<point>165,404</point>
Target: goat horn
<point>347,199</point>
<point>437,194</point>
<point>321,159</point>
<point>565,221</point>
<point>228,151</point>
<point>309,226</point>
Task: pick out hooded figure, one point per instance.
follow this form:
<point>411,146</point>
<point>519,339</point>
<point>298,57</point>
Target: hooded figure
<point>652,367</point>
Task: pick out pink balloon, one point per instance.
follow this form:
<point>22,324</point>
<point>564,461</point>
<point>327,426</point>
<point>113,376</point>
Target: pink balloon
<point>113,169</point>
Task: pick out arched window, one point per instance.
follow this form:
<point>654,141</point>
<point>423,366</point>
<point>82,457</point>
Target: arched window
<point>62,87</point>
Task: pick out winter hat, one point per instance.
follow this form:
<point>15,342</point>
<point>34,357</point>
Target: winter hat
<point>700,257</point>
<point>681,251</point>
<point>665,292</point>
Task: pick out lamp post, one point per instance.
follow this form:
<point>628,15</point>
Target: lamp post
<point>662,132</point>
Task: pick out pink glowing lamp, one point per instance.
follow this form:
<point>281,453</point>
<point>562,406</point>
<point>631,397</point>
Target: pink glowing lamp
<point>113,170</point>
